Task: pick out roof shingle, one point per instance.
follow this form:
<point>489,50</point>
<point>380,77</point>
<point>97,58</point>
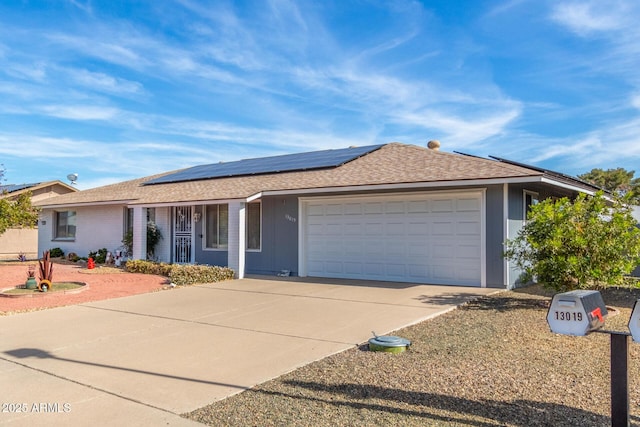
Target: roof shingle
<point>394,163</point>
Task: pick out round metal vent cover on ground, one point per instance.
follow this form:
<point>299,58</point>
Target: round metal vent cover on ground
<point>389,344</point>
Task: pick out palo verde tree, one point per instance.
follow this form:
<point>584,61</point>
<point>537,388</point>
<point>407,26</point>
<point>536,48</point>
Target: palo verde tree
<point>589,243</point>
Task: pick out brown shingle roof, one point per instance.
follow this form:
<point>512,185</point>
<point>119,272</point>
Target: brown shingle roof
<point>394,163</point>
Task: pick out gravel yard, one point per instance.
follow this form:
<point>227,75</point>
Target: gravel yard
<point>492,362</point>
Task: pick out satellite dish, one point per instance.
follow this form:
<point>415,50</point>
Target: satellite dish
<point>73,177</point>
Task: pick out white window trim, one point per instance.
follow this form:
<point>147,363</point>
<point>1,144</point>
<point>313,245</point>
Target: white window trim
<point>55,227</point>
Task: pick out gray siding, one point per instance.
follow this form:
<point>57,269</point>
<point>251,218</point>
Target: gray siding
<point>495,237</point>
<point>279,238</point>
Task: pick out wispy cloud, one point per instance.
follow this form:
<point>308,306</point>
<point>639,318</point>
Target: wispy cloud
<point>103,82</point>
<point>79,112</point>
<point>589,17</point>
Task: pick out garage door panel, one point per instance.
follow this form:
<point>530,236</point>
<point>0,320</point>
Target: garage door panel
<point>468,228</point>
<point>442,205</point>
<point>353,209</point>
<point>394,207</point>
<point>419,206</point>
<point>372,208</point>
<point>354,268</point>
<point>373,270</point>
<point>333,267</point>
<point>374,229</point>
<point>334,209</point>
<point>443,228</point>
<point>333,230</point>
<point>415,238</point>
<point>468,204</point>
<point>395,229</point>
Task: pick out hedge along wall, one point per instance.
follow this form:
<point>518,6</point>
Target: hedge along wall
<point>181,274</point>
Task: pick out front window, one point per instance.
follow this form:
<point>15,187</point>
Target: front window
<point>65,225</point>
<point>217,227</point>
<point>254,226</point>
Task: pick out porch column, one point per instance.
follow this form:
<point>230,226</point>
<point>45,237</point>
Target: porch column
<point>237,239</point>
<point>139,233</point>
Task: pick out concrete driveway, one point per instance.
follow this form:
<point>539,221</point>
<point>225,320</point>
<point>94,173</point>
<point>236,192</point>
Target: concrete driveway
<point>142,360</point>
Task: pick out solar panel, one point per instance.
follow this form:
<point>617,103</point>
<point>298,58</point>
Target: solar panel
<point>273,164</point>
<point>10,188</point>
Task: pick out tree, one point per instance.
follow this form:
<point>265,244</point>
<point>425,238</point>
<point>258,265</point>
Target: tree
<point>18,212</point>
<point>619,181</point>
<point>591,242</point>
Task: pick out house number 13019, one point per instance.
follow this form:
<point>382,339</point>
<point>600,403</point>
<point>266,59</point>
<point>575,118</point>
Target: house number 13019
<point>569,316</point>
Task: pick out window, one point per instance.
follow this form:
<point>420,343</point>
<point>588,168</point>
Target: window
<point>65,225</point>
<point>217,227</point>
<point>530,199</point>
<point>128,220</point>
<point>254,228</point>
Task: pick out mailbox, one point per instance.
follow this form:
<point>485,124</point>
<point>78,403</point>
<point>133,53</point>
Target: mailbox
<point>634,322</point>
<point>576,312</point>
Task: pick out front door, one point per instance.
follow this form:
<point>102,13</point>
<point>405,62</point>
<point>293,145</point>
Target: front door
<point>182,234</point>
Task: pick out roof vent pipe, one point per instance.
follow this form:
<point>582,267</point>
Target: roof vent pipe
<point>433,145</point>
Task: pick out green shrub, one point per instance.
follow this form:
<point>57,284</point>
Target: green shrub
<point>587,243</point>
<point>100,256</point>
<point>149,267</point>
<point>181,274</point>
<point>190,274</point>
<point>56,253</point>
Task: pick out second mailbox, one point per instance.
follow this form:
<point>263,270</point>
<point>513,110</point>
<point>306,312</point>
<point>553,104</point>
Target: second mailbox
<point>576,313</point>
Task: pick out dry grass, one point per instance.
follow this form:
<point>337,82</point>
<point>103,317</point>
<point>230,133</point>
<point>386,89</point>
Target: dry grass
<point>492,362</point>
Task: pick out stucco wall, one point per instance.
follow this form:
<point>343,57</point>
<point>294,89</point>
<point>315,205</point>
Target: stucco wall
<point>96,227</point>
<point>15,241</point>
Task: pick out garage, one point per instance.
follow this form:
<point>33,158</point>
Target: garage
<point>432,238</point>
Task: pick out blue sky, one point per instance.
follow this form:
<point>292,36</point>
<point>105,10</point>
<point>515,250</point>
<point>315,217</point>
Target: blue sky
<point>114,89</point>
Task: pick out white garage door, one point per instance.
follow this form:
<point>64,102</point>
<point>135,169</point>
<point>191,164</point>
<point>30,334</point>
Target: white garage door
<point>414,238</point>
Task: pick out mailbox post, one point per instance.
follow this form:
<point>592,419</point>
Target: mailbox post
<point>581,312</point>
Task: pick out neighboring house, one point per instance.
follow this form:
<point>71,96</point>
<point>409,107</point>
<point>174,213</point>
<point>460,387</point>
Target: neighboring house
<point>16,241</point>
<point>391,212</point>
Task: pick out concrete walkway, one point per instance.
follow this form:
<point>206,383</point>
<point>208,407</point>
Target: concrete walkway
<point>145,359</point>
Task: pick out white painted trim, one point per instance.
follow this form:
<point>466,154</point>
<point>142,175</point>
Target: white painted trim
<point>461,191</point>
<point>403,186</point>
<point>302,224</point>
<point>505,219</point>
<point>569,186</point>
<point>79,205</point>
<point>483,237</point>
<point>242,239</point>
<point>254,197</point>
